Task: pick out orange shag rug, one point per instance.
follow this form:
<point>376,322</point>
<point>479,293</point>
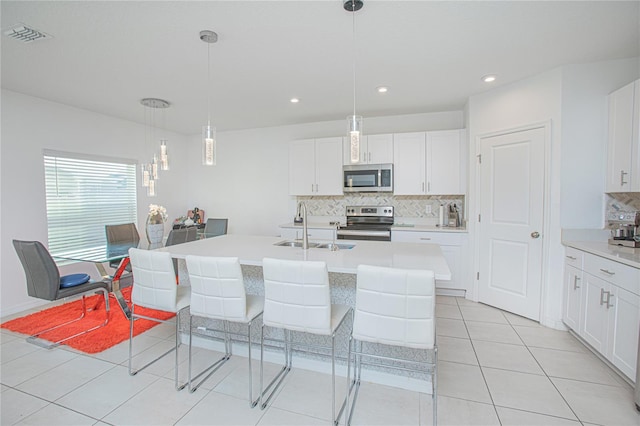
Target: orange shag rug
<point>116,331</point>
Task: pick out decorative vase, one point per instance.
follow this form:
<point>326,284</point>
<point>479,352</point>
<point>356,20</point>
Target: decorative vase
<point>155,230</point>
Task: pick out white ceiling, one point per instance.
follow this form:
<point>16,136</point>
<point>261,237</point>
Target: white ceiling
<point>106,55</point>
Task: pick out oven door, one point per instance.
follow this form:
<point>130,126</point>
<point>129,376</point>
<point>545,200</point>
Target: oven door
<point>362,234</point>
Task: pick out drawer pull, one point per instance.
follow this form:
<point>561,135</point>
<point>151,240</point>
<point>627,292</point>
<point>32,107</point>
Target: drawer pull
<point>606,271</point>
<point>571,257</point>
<point>425,239</point>
<point>575,282</point>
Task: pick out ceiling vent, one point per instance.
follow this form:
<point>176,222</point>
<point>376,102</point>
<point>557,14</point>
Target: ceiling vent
<point>26,34</point>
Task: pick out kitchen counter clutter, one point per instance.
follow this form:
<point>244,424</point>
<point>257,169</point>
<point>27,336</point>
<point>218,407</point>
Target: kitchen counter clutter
<point>602,300</point>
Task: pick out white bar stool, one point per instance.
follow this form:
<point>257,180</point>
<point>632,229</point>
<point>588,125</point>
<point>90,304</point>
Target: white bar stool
<point>297,298</point>
<point>393,307</point>
<point>218,292</point>
<point>154,287</point>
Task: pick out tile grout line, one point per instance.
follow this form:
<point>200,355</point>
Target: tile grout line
<point>479,366</point>
<point>545,374</point>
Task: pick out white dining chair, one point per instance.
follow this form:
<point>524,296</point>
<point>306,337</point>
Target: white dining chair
<point>218,293</point>
<point>154,287</point>
<point>394,307</point>
<point>297,298</point>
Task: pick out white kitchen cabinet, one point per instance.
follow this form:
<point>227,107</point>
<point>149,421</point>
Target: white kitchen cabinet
<point>429,163</point>
<point>453,246</point>
<point>624,326</point>
<point>572,311</point>
<point>315,167</point>
<point>608,314</point>
<point>374,149</point>
<point>623,146</point>
<point>594,329</point>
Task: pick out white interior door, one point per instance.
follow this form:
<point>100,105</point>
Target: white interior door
<point>512,196</point>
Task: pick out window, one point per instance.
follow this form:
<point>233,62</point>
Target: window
<point>85,193</point>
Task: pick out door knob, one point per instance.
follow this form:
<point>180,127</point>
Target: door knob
<point>535,234</point>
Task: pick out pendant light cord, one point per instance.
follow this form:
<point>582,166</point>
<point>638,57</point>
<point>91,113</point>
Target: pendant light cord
<point>209,84</point>
<point>353,12</point>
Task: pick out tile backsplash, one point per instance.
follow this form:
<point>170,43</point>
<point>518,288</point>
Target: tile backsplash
<point>404,205</point>
<point>623,201</point>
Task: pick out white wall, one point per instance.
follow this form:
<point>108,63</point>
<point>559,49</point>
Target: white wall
<point>30,125</point>
<point>573,99</point>
<point>250,183</point>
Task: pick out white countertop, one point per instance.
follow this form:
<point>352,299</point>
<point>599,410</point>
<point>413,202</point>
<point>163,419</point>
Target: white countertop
<point>398,227</point>
<point>626,255</point>
<point>252,249</point>
<point>426,228</point>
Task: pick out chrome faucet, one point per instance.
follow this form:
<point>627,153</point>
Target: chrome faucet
<point>305,238</point>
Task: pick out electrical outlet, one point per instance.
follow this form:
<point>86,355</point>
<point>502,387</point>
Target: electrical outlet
<point>427,208</point>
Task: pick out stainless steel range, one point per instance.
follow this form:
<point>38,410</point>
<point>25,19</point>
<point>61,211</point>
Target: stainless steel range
<point>367,223</point>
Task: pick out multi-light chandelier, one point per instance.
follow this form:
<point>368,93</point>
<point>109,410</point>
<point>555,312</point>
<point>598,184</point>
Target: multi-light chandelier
<point>150,171</point>
<point>354,121</point>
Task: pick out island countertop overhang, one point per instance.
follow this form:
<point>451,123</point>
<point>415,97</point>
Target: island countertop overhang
<point>250,250</point>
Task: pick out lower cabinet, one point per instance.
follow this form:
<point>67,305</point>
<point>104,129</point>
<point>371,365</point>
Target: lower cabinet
<point>572,297</point>
<point>602,305</point>
<point>453,246</point>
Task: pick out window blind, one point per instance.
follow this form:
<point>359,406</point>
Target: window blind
<point>83,195</point>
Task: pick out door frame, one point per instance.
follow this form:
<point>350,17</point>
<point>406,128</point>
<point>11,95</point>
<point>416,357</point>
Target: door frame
<point>475,228</point>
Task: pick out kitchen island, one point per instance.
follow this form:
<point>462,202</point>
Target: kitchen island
<point>250,250</point>
<point>342,266</point>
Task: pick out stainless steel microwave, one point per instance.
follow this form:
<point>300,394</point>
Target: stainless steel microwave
<point>368,178</point>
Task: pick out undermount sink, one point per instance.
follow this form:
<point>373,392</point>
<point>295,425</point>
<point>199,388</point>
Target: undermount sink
<point>294,244</point>
<point>338,245</point>
<point>289,243</point>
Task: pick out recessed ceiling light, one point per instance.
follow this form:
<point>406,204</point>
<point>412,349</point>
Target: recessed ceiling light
<point>489,78</point>
<point>294,100</point>
<point>382,89</point>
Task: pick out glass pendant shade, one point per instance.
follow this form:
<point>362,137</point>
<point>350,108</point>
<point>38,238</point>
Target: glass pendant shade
<point>144,169</point>
<point>164,155</point>
<point>355,131</point>
<point>151,189</point>
<point>209,146</point>
<point>154,167</point>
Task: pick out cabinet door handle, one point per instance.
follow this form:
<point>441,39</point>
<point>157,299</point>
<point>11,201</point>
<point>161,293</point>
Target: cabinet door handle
<point>571,257</point>
<point>602,296</point>
<point>606,271</point>
<point>422,186</point>
<point>609,296</point>
<point>428,186</point>
<point>575,282</point>
<point>369,157</point>
<point>622,173</point>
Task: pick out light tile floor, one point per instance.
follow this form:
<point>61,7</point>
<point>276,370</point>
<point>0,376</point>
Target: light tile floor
<point>494,368</point>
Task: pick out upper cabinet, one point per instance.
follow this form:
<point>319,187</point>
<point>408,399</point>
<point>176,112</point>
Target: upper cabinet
<point>315,167</point>
<point>623,149</point>
<point>374,149</point>
<point>429,163</point>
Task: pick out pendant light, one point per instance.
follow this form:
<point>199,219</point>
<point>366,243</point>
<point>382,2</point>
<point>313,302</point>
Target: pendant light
<point>208,132</point>
<point>150,170</point>
<point>354,121</point>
